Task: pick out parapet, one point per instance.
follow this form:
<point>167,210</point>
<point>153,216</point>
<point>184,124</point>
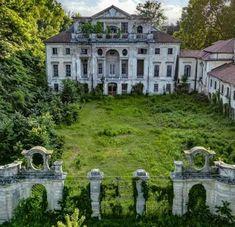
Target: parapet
<point>226,171</point>
<point>10,170</point>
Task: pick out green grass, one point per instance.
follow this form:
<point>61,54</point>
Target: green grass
<point>119,135</point>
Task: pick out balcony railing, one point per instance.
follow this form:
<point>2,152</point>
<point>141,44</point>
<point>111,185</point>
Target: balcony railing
<point>112,37</point>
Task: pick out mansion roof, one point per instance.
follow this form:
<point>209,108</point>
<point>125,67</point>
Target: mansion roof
<point>63,37</point>
<point>225,73</point>
<point>66,37</point>
<point>221,47</point>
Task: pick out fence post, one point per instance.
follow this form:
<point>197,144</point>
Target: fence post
<point>95,176</point>
<point>141,176</point>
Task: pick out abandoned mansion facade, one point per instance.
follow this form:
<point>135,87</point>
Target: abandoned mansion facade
<point>115,49</point>
<point>120,50</point>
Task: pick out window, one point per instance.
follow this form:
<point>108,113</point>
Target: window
<point>155,88</point>
<point>156,70</point>
<point>100,52</point>
<point>124,67</point>
<point>56,87</point>
<point>55,70</point>
<point>67,51</point>
<point>100,68</point>
<point>211,83</point>
<point>222,89</point>
<point>124,27</point>
<point>168,88</point>
<point>83,51</point>
<point>227,92</point>
<point>140,68</point>
<point>187,70</point>
<point>124,52</point>
<point>142,51</point>
<point>170,50</point>
<point>157,50</point>
<point>68,70</point>
<point>54,51</point>
<point>84,65</point>
<point>215,85</point>
<point>112,69</point>
<point>169,71</point>
<point>139,29</point>
<point>124,89</point>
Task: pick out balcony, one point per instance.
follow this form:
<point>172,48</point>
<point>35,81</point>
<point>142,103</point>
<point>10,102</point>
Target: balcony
<point>114,37</point>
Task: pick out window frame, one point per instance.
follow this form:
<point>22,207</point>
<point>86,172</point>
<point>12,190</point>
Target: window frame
<point>169,67</point>
<point>68,70</point>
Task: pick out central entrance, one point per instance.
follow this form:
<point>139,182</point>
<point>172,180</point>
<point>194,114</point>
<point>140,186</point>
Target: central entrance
<point>112,89</point>
<point>113,64</point>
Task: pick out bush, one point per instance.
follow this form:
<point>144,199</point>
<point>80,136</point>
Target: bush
<point>137,89</point>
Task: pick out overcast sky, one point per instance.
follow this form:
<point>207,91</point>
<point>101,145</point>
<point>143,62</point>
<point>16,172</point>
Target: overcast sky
<point>172,8</point>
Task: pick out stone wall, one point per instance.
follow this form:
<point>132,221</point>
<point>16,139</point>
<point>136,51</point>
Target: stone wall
<point>217,180</point>
<point>16,182</point>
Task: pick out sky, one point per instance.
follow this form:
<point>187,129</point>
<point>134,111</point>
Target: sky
<point>172,8</point>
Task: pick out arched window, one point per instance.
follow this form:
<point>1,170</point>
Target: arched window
<point>140,29</point>
<point>187,70</point>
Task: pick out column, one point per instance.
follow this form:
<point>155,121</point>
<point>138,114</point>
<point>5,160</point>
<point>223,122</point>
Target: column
<point>95,176</point>
<point>141,176</point>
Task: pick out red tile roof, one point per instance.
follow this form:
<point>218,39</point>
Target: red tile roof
<point>162,37</point>
<point>190,53</point>
<point>225,73</point>
<point>222,46</point>
<point>63,37</point>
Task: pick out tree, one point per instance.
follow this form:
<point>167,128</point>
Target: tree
<point>206,21</point>
<point>72,221</point>
<point>152,9</point>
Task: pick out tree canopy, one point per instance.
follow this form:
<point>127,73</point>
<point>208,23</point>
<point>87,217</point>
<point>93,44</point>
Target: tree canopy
<point>152,9</point>
<point>206,21</point>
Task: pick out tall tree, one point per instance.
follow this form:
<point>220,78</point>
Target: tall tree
<point>153,10</point>
<point>206,21</point>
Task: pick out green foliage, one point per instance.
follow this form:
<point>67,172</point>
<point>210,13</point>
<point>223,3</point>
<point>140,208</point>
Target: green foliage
<point>152,10</point>
<point>203,22</point>
<point>225,213</point>
<point>73,221</point>
<point>137,89</point>
<point>88,28</point>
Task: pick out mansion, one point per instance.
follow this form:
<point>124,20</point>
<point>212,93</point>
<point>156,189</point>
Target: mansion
<point>125,51</point>
<point>120,50</point>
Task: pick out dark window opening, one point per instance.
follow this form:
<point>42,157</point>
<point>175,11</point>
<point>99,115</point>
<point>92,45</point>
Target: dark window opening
<point>170,50</point>
<point>55,70</point>
<point>124,89</point>
<point>68,70</point>
<point>169,71</point>
<point>56,87</point>
<point>157,50</point>
<point>155,87</point>
<point>124,27</point>
<point>67,51</point>
<point>140,68</point>
<point>156,70</point>
<point>54,51</point>
<point>142,51</point>
<point>139,29</point>
<point>187,70</point>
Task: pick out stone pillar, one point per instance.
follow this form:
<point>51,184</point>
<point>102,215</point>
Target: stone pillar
<point>179,202</point>
<point>141,176</point>
<point>95,176</point>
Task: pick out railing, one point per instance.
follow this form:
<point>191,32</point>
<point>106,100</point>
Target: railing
<point>112,37</point>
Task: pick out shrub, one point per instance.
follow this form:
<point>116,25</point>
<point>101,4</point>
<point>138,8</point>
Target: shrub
<point>137,89</point>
